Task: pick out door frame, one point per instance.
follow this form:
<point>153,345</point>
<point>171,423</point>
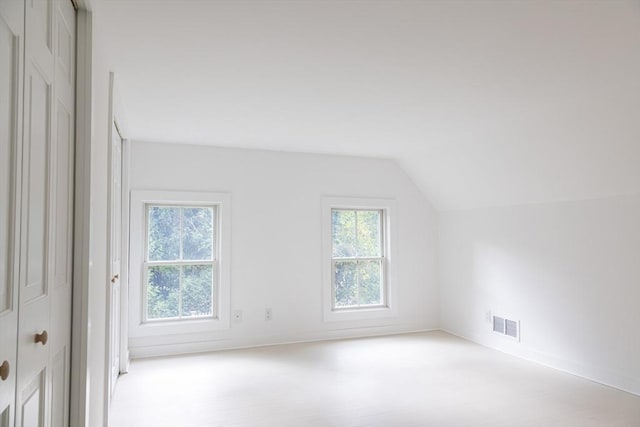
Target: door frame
<point>117,116</point>
<point>111,323</point>
<point>81,353</point>
<point>79,399</point>
<point>124,262</point>
<point>122,321</point>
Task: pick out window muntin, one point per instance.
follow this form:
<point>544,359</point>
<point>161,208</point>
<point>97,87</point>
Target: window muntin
<point>358,258</point>
<point>180,264</point>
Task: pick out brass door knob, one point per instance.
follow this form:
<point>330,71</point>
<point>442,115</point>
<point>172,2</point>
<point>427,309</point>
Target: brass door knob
<point>42,338</point>
<point>114,278</point>
<point>4,370</point>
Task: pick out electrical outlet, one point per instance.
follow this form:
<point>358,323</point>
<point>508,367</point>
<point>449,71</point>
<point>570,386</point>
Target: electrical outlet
<point>487,316</point>
<point>268,315</point>
<point>237,316</point>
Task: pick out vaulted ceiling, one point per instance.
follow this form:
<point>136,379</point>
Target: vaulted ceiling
<point>481,102</point>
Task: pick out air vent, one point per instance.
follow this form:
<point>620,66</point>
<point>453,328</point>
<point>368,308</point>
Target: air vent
<point>511,328</point>
<point>498,324</point>
<point>507,327</point>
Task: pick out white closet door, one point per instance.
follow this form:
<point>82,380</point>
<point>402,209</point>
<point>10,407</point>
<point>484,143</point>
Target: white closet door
<point>45,281</point>
<point>34,292</point>
<point>61,246</point>
<point>11,49</point>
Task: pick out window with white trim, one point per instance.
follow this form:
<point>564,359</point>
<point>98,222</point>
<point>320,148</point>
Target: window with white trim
<point>180,263</point>
<point>179,268</point>
<point>358,261</point>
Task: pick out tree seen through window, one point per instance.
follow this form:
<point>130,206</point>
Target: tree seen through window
<point>357,257</point>
<point>180,262</point>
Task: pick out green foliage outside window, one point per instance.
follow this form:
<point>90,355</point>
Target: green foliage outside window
<point>357,251</point>
<point>180,262</point>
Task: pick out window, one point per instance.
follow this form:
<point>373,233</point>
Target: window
<point>357,261</point>
<point>179,269</point>
<point>180,262</point>
<point>358,276</point>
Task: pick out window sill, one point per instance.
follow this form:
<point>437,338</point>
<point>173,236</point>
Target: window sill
<point>169,327</point>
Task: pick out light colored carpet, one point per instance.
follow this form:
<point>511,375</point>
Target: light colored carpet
<point>424,379</point>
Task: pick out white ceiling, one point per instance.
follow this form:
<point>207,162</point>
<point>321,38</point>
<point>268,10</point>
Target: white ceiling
<point>481,102</point>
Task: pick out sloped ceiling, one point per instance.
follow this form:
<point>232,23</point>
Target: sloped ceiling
<point>482,102</point>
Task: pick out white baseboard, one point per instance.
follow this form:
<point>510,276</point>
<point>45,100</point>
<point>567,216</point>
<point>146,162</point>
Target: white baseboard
<point>604,376</point>
<point>140,349</point>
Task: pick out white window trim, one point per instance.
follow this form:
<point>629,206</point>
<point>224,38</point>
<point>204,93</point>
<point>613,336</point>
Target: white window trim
<point>139,199</point>
<point>388,206</point>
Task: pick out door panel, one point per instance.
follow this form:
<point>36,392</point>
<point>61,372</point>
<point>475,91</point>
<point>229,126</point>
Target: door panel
<point>62,208</point>
<point>63,201</point>
<point>66,47</point>
<point>39,31</point>
<point>59,390</point>
<point>5,416</point>
<point>41,19</point>
<point>46,211</point>
<point>11,72</point>
<point>32,409</point>
<point>65,54</point>
<point>36,182</point>
<point>34,308</point>
<point>8,104</point>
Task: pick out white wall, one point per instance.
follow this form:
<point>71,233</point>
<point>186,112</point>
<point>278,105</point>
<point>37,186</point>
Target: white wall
<point>276,258</point>
<point>570,272</point>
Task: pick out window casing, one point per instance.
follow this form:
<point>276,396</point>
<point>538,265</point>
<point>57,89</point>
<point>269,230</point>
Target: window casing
<point>358,279</point>
<point>154,331</point>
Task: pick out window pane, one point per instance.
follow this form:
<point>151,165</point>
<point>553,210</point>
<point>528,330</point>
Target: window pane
<point>163,290</point>
<point>345,283</point>
<point>343,233</point>
<point>197,286</point>
<point>368,233</point>
<point>164,233</point>
<point>197,239</point>
<point>370,280</point>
